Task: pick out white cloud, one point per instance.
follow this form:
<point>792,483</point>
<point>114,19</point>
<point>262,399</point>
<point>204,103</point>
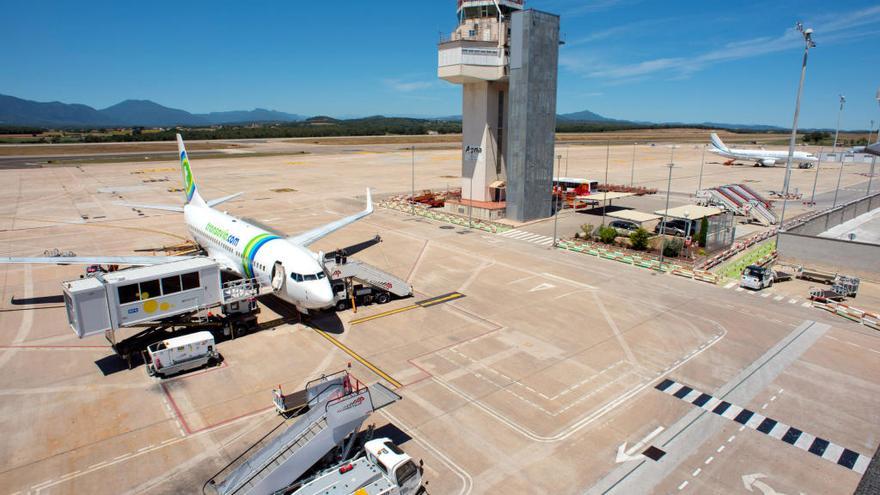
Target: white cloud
<point>829,29</point>
<point>408,86</point>
<point>575,8</point>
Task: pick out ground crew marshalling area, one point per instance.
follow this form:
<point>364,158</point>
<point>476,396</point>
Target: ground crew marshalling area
<point>536,370</point>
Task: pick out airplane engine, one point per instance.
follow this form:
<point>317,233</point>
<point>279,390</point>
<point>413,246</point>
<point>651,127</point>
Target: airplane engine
<point>767,162</point>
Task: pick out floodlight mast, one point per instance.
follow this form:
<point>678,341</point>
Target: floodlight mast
<point>808,43</point>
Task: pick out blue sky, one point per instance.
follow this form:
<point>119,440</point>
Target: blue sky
<point>688,61</point>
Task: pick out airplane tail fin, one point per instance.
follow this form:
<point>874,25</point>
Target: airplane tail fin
<point>189,183</point>
<point>717,142</point>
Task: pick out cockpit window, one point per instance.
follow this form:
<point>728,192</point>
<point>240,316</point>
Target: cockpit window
<point>311,277</point>
<point>296,277</point>
<point>321,275</point>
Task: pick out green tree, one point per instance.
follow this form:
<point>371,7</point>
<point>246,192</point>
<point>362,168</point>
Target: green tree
<point>672,247</point>
<point>704,232</point>
<point>587,228</point>
<point>639,239</point>
<point>607,234</point>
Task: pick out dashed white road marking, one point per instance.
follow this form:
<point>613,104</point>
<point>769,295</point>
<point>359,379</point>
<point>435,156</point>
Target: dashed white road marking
<point>778,298</point>
<point>730,285</point>
<point>792,301</point>
<point>739,289</point>
<point>766,294</point>
<point>807,304</point>
<point>696,472</point>
<point>683,485</point>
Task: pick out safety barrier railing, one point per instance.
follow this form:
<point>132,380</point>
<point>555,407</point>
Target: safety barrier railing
<point>419,209</point>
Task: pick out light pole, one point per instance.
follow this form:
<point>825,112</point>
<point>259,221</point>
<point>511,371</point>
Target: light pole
<point>816,179</point>
<point>837,132</point>
<point>555,200</point>
<point>702,162</point>
<point>878,127</point>
<point>873,161</point>
<point>808,43</point>
<point>632,170</point>
<point>413,181</point>
<point>566,161</point>
<point>605,194</point>
<point>471,200</point>
<point>837,189</point>
<point>665,214</point>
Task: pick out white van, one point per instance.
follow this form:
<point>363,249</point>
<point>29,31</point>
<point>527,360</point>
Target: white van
<point>756,277</point>
<point>183,353</point>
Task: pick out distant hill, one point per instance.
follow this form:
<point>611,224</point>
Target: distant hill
<point>255,115</point>
<point>129,113</point>
<point>585,116</point>
<point>16,111</point>
<point>133,113</point>
<point>149,114</point>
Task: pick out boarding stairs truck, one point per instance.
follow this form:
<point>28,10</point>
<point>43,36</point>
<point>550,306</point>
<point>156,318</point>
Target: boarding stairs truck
<point>381,469</point>
<point>380,285</point>
<point>337,407</point>
<point>741,201</point>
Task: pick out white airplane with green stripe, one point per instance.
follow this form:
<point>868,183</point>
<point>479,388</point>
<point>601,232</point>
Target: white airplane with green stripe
<point>295,273</point>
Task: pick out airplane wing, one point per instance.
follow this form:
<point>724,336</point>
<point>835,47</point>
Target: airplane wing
<point>313,235</point>
<point>178,209</point>
<point>214,202</point>
<point>94,260</point>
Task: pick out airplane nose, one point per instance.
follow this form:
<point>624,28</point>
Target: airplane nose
<point>323,296</point>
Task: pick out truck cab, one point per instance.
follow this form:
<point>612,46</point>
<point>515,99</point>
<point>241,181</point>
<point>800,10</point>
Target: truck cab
<point>396,464</point>
<point>756,277</point>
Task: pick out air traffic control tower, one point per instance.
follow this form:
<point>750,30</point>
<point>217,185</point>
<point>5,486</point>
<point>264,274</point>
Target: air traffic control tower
<point>506,59</point>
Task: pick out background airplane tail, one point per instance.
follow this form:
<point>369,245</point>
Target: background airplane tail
<point>717,142</point>
<point>189,183</point>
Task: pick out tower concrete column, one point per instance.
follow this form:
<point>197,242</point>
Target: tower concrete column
<point>483,130</point>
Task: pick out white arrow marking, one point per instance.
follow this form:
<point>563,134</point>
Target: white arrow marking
<point>541,287</point>
<point>753,480</point>
<point>624,455</point>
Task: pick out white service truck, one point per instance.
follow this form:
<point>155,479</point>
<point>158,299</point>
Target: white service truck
<point>175,355</point>
<point>383,469</point>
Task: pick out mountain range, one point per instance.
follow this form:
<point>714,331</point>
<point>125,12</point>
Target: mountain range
<point>145,113</point>
<point>129,113</point>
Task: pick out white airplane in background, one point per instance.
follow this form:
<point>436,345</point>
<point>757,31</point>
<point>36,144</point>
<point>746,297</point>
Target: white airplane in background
<point>761,157</point>
<point>295,273</point>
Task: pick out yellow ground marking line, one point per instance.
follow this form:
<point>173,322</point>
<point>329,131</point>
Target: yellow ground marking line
<point>386,313</point>
<point>427,303</point>
<point>360,359</point>
<point>431,302</point>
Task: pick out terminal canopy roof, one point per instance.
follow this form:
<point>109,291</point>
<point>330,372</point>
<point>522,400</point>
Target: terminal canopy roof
<point>690,212</point>
<point>634,216</point>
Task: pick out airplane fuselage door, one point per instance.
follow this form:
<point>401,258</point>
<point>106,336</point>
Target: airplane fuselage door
<point>278,277</point>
